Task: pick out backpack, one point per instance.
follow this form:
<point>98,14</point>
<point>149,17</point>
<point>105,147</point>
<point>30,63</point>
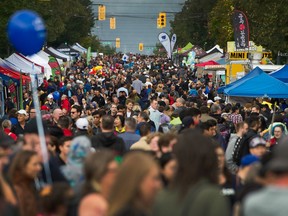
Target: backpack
<point>236,154</point>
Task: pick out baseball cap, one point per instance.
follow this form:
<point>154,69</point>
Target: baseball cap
<point>22,112</point>
<point>82,124</point>
<point>217,98</point>
<point>210,102</point>
<point>256,141</point>
<point>248,160</point>
<point>50,96</point>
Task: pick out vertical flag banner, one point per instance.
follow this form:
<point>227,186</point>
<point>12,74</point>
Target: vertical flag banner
<point>88,55</point>
<point>125,58</point>
<point>173,41</point>
<point>241,30</point>
<point>165,41</point>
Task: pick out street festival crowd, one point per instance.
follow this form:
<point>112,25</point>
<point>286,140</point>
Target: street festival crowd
<point>142,137</point>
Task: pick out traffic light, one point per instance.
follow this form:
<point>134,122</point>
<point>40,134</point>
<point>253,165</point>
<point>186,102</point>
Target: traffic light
<point>158,23</point>
<point>101,12</point>
<point>141,46</point>
<point>117,42</point>
<point>112,23</point>
<point>162,17</point>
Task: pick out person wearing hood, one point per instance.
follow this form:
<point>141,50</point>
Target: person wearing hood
<point>106,138</point>
<point>73,170</point>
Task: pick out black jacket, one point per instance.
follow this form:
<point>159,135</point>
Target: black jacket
<point>17,129</point>
<point>108,140</point>
<point>99,100</point>
<point>244,144</point>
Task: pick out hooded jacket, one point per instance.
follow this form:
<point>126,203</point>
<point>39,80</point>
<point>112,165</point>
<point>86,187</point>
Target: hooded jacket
<point>108,140</point>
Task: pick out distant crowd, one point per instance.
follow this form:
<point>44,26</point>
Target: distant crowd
<point>142,137</point>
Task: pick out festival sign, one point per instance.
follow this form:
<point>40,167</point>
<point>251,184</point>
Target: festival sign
<point>165,41</point>
<point>241,30</point>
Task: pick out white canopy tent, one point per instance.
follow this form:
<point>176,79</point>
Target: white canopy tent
<point>78,47</point>
<point>68,57</point>
<point>43,62</point>
<point>43,55</point>
<point>12,66</point>
<point>24,64</point>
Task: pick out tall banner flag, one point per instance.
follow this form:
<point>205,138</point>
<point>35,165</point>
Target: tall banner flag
<point>88,55</point>
<point>241,30</point>
<point>125,58</point>
<point>173,41</point>
<point>165,41</point>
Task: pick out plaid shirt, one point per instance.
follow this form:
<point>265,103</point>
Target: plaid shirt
<point>235,118</point>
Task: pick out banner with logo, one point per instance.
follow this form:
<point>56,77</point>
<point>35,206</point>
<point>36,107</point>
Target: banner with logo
<point>173,41</point>
<point>165,41</point>
<point>241,30</point>
<point>125,58</point>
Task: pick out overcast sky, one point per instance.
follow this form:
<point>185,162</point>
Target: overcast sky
<point>135,22</point>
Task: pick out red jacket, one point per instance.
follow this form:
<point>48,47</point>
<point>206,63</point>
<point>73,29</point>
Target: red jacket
<point>9,133</point>
<point>66,104</point>
<point>67,132</point>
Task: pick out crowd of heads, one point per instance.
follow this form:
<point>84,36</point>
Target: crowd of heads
<point>117,136</point>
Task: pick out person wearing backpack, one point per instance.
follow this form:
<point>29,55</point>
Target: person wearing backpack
<point>235,138</point>
<point>242,148</point>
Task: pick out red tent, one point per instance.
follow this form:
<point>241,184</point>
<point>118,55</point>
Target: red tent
<point>14,75</point>
<point>203,64</point>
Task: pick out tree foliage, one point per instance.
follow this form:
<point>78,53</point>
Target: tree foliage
<point>268,22</point>
<point>66,20</point>
<point>159,50</point>
<point>210,21</point>
<point>220,22</point>
<point>191,24</point>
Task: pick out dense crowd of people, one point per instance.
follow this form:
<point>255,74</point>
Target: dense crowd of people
<point>142,137</point>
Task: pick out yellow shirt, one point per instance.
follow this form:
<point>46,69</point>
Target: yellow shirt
<point>120,131</point>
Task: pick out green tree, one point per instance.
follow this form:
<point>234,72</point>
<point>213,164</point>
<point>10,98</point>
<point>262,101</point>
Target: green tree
<point>91,41</point>
<point>79,23</point>
<point>191,24</point>
<point>107,50</point>
<point>66,21</point>
<point>268,22</point>
<point>220,22</point>
<point>159,50</point>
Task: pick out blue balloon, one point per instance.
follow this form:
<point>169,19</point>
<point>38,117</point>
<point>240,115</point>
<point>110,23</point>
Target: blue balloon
<point>56,95</point>
<point>26,32</point>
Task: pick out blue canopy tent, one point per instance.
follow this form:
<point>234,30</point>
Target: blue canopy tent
<point>281,74</point>
<point>255,72</point>
<point>262,85</point>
